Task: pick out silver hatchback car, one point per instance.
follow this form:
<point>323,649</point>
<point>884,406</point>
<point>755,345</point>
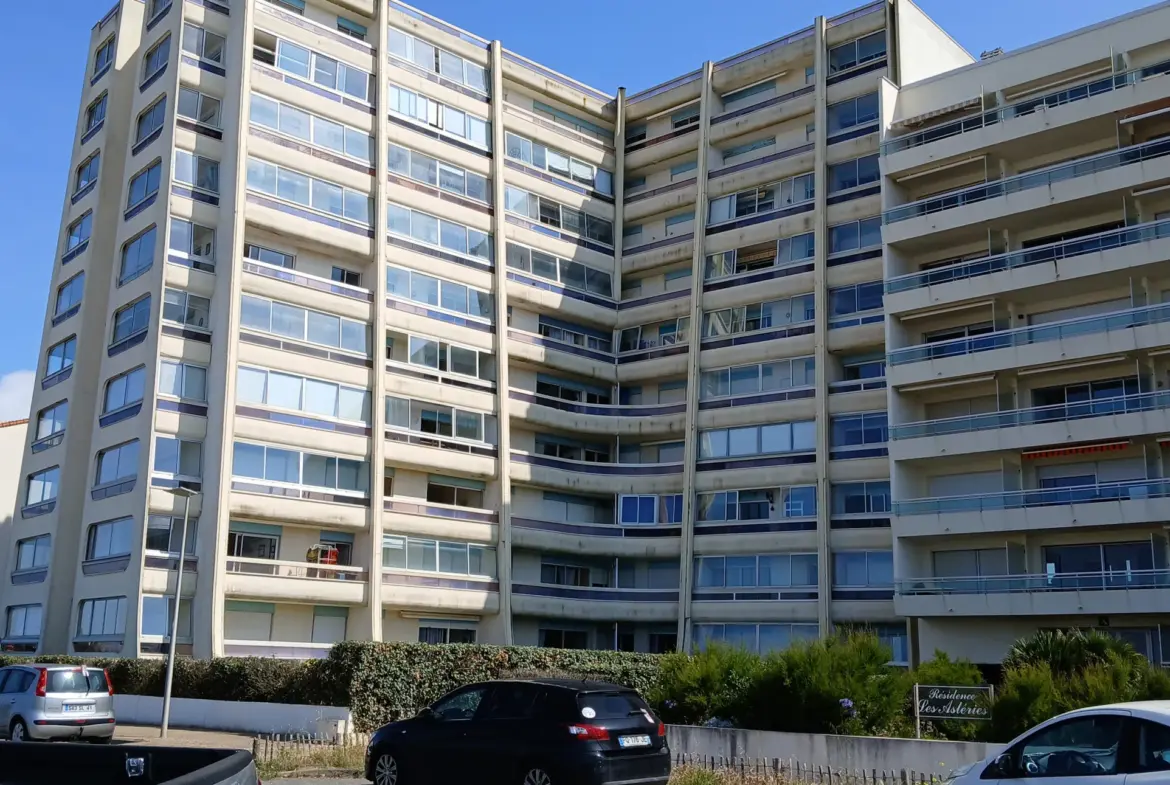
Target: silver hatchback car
<point>42,702</point>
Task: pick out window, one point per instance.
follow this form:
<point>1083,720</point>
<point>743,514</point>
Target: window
<point>69,294</point>
<point>203,44</point>
<point>33,553</point>
<point>95,113</point>
<point>102,618</point>
<point>124,390</point>
<point>853,498</point>
<point>351,28</point>
<point>344,276</point>
<point>292,467</point>
<point>858,298</point>
<point>865,233</point>
<point>155,59</point>
<point>558,163</point>
<point>851,174</point>
<point>197,171</point>
<point>181,307</point>
<point>433,114</point>
<point>756,94</point>
<point>87,173</point>
<point>428,229</point>
<point>455,492</point>
<point>60,356</point>
<point>759,504</point>
<point>299,124</point>
<point>857,52</point>
<point>137,256</point>
<point>192,240</point>
<point>103,58</point>
<point>683,169</point>
<point>853,112</point>
<point>320,195</point>
<point>297,393</point>
<point>685,117</point>
<point>438,292</point>
<point>572,449</point>
<point>151,120</point>
<point>253,545</point>
<point>749,147</point>
<point>757,378</point>
<point>858,368</point>
<point>855,430</point>
<point>461,705</point>
<point>439,355</point>
<point>42,486</point>
<point>301,324</point>
<point>648,510</point>
<point>566,390</point>
<point>51,421</point>
<point>79,231</point>
<point>163,533</point>
<point>425,417</point>
<point>567,120</point>
<point>865,569</point>
<point>117,463</point>
<point>143,185</point>
<point>157,7</point>
<point>766,198</point>
<point>436,60</point>
<point>758,440</point>
<point>268,256</point>
<point>158,614</point>
<point>563,639</point>
<point>430,632</point>
<point>1079,747</point>
<point>131,319</point>
<point>432,171</point>
<point>1153,747</point>
<point>550,213</point>
<point>780,570</point>
<point>182,380</point>
<point>178,457</point>
<point>199,108</point>
<point>109,539</point>
<point>24,621</point>
<point>425,555</point>
<point>322,70</point>
<point>759,316</point>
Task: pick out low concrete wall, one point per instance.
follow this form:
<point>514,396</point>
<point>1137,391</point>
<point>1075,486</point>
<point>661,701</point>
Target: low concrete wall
<point>838,752</point>
<point>258,718</point>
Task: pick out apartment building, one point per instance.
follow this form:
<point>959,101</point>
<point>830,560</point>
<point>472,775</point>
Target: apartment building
<point>382,331</point>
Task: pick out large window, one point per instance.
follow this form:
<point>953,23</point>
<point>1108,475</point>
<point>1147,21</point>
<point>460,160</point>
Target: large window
<point>299,124</point>
<point>43,486</point>
<point>268,256</point>
<point>87,172</point>
<point>158,614</point>
<point>203,44</point>
<point>302,394</point>
<point>862,50</point>
<point>758,378</point>
<point>79,231</point>
<point>323,70</point>
<point>442,356</point>
<point>124,390</point>
<point>176,457</point>
<point>102,618</point>
<point>863,569</point>
<point>321,195</point>
<point>51,421</point>
<point>103,58</point>
<point>293,467</point>
<point>109,539</point>
<point>69,294</point>
<point>853,112</point>
<point>163,533</point>
<point>433,114</point>
<point>758,316</point>
<point>300,324</point>
<point>417,287</point>
<point>24,621</point>
<point>575,335</point>
<point>182,380</point>
<point>758,504</point>
<point>438,61</point>
<point>566,272</point>
<point>761,638</point>
<point>856,430</point>
<point>573,508</point>
<point>199,107</point>
<point>187,309</point>
<point>131,319</point>
<point>855,173</point>
<point>775,570</point>
<point>143,185</point>
<point>192,241</point>
<point>864,233</point>
<point>772,439</point>
<point>117,463</point>
<point>137,256</point>
<point>558,163</point>
<point>649,509</point>
<point>572,449</point>
<point>151,120</point>
<point>854,498</point>
<point>558,216</point>
<point>155,59</point>
<point>442,233</point>
<point>426,555</point>
<point>447,177</point>
<point>33,553</point>
<point>782,253</point>
<point>855,298</point>
<point>766,198</point>
<point>95,113</point>
<point>60,356</point>
<point>433,418</point>
<point>197,171</point>
<point>455,491</point>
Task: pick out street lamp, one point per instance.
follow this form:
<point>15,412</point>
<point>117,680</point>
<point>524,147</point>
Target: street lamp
<point>185,494</point>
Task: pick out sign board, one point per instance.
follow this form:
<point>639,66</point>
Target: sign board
<point>932,702</point>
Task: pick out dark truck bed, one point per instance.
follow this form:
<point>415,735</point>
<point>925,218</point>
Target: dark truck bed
<point>85,764</point>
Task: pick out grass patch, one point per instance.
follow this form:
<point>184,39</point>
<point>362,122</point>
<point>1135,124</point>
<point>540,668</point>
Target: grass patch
<point>324,760</point>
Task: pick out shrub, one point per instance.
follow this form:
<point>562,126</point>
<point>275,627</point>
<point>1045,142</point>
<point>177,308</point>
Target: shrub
<point>943,671</point>
<point>711,684</point>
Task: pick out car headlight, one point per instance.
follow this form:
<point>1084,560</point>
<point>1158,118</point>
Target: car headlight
<point>962,771</point>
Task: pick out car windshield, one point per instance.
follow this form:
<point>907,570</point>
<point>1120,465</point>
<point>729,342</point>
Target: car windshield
<point>610,705</point>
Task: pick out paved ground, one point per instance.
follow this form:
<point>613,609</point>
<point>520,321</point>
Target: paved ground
<point>316,782</point>
<point>140,734</point>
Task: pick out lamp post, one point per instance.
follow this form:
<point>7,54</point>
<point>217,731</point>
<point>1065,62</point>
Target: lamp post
<point>185,494</point>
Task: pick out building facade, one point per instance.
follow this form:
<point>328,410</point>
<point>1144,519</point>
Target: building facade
<point>417,339</point>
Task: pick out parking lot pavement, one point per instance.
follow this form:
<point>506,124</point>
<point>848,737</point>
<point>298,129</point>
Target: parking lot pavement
<point>177,737</point>
<point>306,781</point>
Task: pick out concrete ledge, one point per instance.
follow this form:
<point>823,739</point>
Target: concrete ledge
<point>256,718</point>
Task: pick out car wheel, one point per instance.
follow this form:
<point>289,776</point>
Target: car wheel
<point>537,775</point>
<point>386,770</point>
<point>18,731</point>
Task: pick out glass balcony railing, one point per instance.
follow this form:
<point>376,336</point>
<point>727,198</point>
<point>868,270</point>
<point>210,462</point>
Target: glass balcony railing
<point>1041,178</point>
<point>1053,252</point>
<point>1023,336</point>
<point>1025,584</point>
<point>1036,497</point>
<point>1029,106</point>
<point>1035,415</point>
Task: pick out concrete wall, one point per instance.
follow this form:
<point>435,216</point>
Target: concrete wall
<point>230,715</point>
<point>839,752</point>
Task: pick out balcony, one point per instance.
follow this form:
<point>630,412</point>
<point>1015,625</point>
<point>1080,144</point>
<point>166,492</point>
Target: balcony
<point>439,592</point>
<point>281,650</point>
<point>644,419</point>
<point>1058,594</point>
<point>269,579</point>
<point>594,477</point>
<point>642,541</point>
<point>594,603</point>
<point>1036,497</point>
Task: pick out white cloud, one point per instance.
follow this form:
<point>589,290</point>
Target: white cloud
<point>16,389</point>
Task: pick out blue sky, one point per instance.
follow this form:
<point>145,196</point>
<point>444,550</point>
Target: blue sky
<point>43,84</point>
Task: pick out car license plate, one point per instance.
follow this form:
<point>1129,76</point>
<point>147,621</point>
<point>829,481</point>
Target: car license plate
<point>633,741</point>
<point>79,708</point>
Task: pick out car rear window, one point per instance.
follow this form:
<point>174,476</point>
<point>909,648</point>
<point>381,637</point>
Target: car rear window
<point>97,680</point>
<point>610,705</point>
<point>67,681</point>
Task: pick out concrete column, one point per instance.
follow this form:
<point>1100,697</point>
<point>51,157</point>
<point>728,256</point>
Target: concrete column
<point>690,435</point>
<point>504,541</point>
<point>619,189</point>
<point>820,345</point>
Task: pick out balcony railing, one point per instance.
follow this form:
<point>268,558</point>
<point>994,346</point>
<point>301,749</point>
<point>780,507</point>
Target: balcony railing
<point>1128,490</point>
<point>1042,178</point>
<point>1022,108</point>
<point>593,467</point>
<point>595,593</point>
<point>1061,412</point>
<point>290,569</point>
<point>1023,336</point>
<point>283,650</point>
<point>1107,580</point>
<point>599,409</point>
<point>1053,252</point>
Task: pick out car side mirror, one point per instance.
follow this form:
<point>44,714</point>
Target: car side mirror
<point>1000,767</point>
<point>426,713</point>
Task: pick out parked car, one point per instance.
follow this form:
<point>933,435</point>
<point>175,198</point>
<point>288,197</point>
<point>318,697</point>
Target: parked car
<point>525,732</point>
<point>42,702</point>
<point>1105,745</point>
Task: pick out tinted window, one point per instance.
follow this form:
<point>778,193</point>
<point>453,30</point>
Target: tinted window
<point>1153,753</point>
<point>4,678</point>
<point>461,705</point>
<point>610,705</point>
<point>511,701</point>
<point>67,681</point>
<point>97,681</point>
<point>1076,747</point>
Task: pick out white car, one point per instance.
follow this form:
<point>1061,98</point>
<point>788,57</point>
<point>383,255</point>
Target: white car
<point>1120,744</point>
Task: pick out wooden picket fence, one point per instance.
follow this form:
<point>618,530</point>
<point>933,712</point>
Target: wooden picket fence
<point>788,770</point>
<point>304,745</point>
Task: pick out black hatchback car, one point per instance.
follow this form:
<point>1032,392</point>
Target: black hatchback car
<point>532,732</point>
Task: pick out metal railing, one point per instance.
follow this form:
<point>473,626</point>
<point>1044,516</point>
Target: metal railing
<point>762,49</point>
<point>1036,497</point>
<point>1046,177</point>
<point>1023,584</point>
<point>1033,415</point>
<point>1052,252</point>
<point>1023,336</point>
<point>289,569</point>
<point>665,87</point>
